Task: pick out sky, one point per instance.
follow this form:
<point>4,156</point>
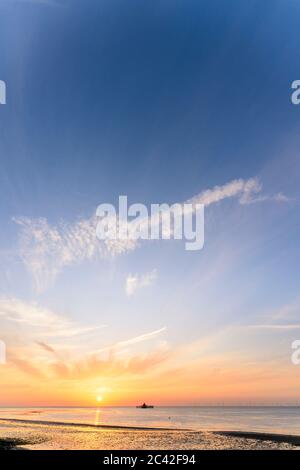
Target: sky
<point>162,101</point>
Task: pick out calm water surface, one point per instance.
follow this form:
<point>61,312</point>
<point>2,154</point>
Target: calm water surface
<point>265,419</point>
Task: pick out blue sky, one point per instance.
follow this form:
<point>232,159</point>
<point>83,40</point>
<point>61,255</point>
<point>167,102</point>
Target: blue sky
<point>160,101</point>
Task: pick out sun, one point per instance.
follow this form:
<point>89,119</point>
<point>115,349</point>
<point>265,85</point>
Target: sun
<point>99,398</point>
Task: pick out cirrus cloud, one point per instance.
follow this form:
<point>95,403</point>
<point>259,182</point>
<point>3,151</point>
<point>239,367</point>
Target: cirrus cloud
<point>47,249</point>
<point>136,282</point>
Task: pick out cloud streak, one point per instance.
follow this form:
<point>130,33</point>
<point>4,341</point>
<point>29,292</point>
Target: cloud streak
<point>292,326</point>
<point>94,366</point>
<point>32,351</point>
<point>40,320</point>
<point>107,361</point>
<point>46,249</point>
<point>136,282</point>
<point>131,341</point>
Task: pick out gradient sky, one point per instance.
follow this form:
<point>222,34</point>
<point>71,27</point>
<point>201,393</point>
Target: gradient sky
<point>160,101</point>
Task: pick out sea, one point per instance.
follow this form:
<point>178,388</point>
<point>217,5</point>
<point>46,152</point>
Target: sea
<point>270,419</point>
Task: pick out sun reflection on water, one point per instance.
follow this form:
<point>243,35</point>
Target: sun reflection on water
<point>97,417</point>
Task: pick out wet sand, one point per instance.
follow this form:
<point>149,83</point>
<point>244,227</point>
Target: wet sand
<point>43,436</point>
<point>262,436</point>
<point>12,444</point>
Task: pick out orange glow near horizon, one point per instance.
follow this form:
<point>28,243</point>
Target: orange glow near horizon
<point>206,371</point>
<point>198,384</point>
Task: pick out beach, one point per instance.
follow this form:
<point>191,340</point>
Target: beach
<point>36,434</point>
<point>121,428</point>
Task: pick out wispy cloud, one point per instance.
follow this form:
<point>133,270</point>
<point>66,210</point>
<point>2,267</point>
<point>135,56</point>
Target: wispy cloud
<point>32,350</point>
<point>131,341</point>
<point>27,367</point>
<point>46,249</point>
<point>111,361</point>
<point>39,319</point>
<point>136,282</point>
<point>292,326</point>
<point>289,312</point>
<point>46,346</point>
<point>282,318</point>
<point>244,190</point>
<point>247,192</point>
<point>112,366</point>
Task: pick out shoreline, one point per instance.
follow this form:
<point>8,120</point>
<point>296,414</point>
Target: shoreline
<point>262,436</point>
<point>97,426</point>
<point>12,444</point>
<point>257,435</point>
<point>16,443</point>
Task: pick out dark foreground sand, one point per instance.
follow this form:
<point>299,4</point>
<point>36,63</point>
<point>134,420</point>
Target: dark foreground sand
<point>36,435</point>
